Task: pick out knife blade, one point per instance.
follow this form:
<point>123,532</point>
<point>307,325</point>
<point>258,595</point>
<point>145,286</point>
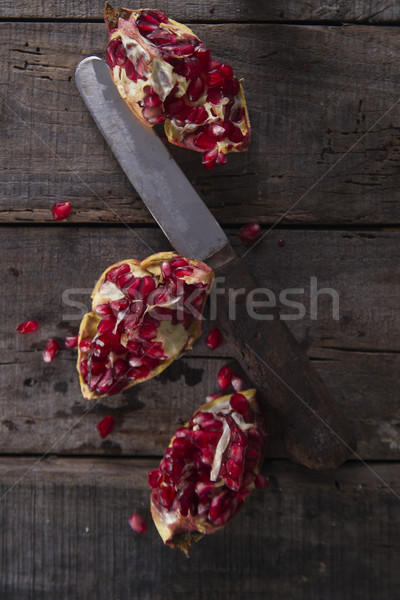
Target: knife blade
<point>317,433</point>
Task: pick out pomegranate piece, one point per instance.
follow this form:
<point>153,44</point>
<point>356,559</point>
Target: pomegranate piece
<point>208,471</point>
<point>224,378</point>
<point>237,383</point>
<point>61,210</point>
<point>105,426</point>
<point>71,341</point>
<point>213,340</point>
<point>144,315</point>
<point>165,75</point>
<point>249,233</point>
<point>28,327</point>
<point>137,523</point>
<point>51,350</point>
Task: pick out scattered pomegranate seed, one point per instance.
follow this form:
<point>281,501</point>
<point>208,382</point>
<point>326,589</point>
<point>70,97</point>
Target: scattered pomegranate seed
<point>28,327</point>
<point>137,523</point>
<point>261,482</point>
<point>224,378</point>
<point>213,340</point>
<point>61,210</point>
<point>281,243</point>
<point>237,383</point>
<point>249,233</point>
<point>71,341</point>
<point>105,426</point>
<point>212,397</point>
<point>51,350</point>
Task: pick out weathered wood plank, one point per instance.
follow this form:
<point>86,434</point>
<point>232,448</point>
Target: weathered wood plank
<point>310,536</point>
<point>373,11</point>
<point>314,93</point>
<point>45,270</point>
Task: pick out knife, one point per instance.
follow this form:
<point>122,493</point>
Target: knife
<point>316,431</point>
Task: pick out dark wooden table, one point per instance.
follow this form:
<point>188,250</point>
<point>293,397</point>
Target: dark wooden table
<point>323,90</point>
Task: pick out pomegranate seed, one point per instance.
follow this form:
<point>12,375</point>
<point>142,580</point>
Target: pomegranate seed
<point>183,49</point>
<point>209,159</point>
<point>28,327</point>
<point>202,54</point>
<point>237,452</point>
<point>120,367</point>
<point>113,274</point>
<point>103,309</point>
<point>281,243</point>
<point>238,403</point>
<point>261,482</point>
<point>237,115</point>
<point>195,89</point>
<point>84,369</point>
<point>148,331</point>
<point>161,37</point>
<point>61,210</point>
<point>137,523</point>
<point>181,272</point>
<point>179,261</point>
<point>51,350</point>
<point>154,478</point>
<point>85,345</point>
<point>205,141</point>
<point>106,324</point>
<point>112,48</point>
<point>71,341</point>
<point>213,340</point>
<point>130,70</point>
<point>224,378</point>
<point>105,426</point>
<point>235,135</point>
<point>238,383</point>
<point>249,233</point>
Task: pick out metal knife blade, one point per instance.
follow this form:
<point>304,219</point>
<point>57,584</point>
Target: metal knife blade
<point>166,191</point>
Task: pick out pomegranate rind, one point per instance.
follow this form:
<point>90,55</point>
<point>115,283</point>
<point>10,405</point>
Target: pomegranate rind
<point>179,531</point>
<point>170,335</point>
<point>158,68</point>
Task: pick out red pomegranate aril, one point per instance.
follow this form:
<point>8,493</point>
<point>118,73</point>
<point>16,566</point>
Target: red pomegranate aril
<point>160,37</point>
<point>106,382</point>
<point>181,272</point>
<point>237,383</point>
<point>147,286</point>
<point>155,478</point>
<point>237,452</point>
<point>28,327</point>
<point>130,70</point>
<point>113,274</point>
<point>61,210</point>
<point>235,135</point>
<point>106,324</point>
<point>224,378</point>
<point>196,89</point>
<point>261,482</point>
<point>71,341</point>
<point>105,426</point>
<point>120,367</point>
<point>98,366</point>
<point>212,397</point>
<point>148,331</point>
<point>103,309</point>
<point>84,369</point>
<point>213,340</point>
<point>155,351</point>
<point>135,346</point>
<point>112,48</point>
<point>179,262</point>
<point>178,49</point>
<point>209,159</point>
<point>249,233</point>
<point>205,141</point>
<point>239,403</point>
<point>174,105</point>
<point>137,373</point>
<point>166,495</point>
<point>215,78</point>
<point>137,523</point>
<point>51,350</point>
<point>153,115</point>
<point>234,468</point>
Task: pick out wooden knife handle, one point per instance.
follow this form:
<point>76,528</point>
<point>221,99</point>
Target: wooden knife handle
<point>317,433</point>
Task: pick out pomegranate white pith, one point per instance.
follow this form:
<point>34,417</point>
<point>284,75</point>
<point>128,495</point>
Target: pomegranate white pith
<point>166,75</point>
<point>209,469</point>
<point>144,315</point>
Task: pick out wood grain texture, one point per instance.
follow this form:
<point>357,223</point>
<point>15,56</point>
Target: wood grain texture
<point>44,271</point>
<point>329,535</point>
<point>373,11</point>
<point>317,95</point>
